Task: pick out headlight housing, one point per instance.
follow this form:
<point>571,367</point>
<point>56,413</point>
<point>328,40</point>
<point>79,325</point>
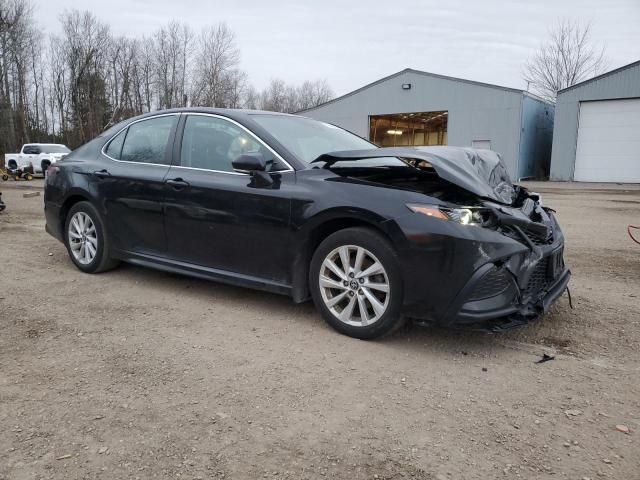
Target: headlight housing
<point>462,215</point>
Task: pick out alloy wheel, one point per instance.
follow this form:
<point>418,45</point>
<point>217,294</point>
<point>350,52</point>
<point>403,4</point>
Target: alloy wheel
<point>354,285</point>
<point>83,238</point>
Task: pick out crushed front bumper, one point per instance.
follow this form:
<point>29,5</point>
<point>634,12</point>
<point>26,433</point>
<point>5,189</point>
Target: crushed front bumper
<point>507,294</point>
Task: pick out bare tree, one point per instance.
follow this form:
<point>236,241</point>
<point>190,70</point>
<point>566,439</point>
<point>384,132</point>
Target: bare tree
<point>281,97</point>
<point>567,58</point>
<point>69,87</point>
<point>172,48</point>
<point>274,97</point>
<point>251,98</point>
<point>236,81</point>
<point>16,37</point>
<point>145,78</point>
<point>312,94</point>
<point>59,89</point>
<point>85,43</point>
<point>217,60</point>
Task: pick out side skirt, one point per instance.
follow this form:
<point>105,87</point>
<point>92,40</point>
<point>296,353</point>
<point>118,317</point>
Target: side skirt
<point>205,273</point>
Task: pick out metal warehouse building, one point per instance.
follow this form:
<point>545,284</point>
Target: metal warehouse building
<point>414,108</point>
<point>597,129</point>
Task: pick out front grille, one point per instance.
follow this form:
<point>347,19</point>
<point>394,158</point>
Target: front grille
<point>539,279</point>
<point>491,284</point>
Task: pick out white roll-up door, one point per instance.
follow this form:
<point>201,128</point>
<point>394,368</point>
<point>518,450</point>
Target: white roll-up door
<point>608,148</point>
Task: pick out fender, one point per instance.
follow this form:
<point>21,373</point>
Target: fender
<point>314,230</point>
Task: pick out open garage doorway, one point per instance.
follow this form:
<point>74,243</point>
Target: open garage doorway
<point>409,129</point>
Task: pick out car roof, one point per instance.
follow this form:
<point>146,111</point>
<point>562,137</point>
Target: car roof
<point>227,112</point>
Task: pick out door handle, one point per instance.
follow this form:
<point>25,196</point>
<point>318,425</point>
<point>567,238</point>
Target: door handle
<point>102,173</point>
<point>177,183</point>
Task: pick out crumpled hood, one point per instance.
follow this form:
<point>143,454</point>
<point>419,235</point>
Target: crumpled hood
<point>481,172</point>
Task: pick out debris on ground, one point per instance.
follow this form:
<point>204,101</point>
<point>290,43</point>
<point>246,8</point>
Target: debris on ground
<point>546,357</point>
<point>573,413</point>
<point>623,429</point>
<point>30,194</point>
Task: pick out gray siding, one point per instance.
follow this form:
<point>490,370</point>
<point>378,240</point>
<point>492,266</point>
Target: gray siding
<point>624,83</point>
<point>535,138</point>
<point>476,111</point>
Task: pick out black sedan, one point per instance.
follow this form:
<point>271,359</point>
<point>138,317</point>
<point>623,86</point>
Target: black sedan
<point>299,207</point>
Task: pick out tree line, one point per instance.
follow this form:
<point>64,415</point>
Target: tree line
<point>68,87</point>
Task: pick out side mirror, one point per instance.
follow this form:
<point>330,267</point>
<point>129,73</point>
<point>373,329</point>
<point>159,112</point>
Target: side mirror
<point>249,162</point>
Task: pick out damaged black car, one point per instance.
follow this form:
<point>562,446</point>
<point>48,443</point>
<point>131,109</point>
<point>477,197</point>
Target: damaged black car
<point>302,208</point>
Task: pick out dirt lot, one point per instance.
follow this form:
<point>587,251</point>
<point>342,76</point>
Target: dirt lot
<point>141,374</point>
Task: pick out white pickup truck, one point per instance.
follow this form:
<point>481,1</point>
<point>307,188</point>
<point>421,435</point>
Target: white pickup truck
<point>35,157</point>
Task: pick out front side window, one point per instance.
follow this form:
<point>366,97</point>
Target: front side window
<point>143,142</point>
<point>212,143</point>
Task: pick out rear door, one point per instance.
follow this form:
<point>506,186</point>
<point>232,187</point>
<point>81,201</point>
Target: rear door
<point>131,184</point>
<point>225,220</point>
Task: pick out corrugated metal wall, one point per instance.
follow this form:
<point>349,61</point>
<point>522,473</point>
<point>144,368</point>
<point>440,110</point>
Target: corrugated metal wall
<point>624,83</point>
<point>476,112</point>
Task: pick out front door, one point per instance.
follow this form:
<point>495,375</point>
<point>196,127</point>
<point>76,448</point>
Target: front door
<point>131,182</point>
<point>225,220</point>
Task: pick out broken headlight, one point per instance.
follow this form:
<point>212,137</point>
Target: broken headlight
<point>464,216</point>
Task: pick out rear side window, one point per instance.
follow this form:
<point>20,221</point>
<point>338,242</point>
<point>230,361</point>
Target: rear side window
<point>143,142</point>
<point>114,149</point>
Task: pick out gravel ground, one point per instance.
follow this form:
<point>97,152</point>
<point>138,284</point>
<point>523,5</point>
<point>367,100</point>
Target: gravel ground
<point>141,374</point>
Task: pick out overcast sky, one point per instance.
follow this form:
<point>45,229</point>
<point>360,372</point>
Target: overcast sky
<point>354,42</point>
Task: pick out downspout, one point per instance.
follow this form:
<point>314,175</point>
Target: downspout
<point>517,175</point>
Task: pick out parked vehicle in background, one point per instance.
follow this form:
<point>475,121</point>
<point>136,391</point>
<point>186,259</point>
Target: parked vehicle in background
<point>35,158</point>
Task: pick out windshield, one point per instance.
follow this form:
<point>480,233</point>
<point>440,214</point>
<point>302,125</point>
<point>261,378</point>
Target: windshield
<point>308,139</point>
<point>54,149</point>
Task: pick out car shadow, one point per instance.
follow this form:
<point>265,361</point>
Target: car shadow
<point>410,337</point>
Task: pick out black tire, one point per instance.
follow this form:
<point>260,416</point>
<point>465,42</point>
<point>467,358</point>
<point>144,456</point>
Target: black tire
<point>5,178</point>
<point>45,165</point>
<point>102,260</point>
<point>382,249</point>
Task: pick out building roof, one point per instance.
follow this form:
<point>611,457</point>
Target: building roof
<point>599,77</point>
<point>427,74</point>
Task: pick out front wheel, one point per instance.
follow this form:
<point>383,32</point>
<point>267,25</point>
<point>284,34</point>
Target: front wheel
<point>356,283</point>
<point>86,239</point>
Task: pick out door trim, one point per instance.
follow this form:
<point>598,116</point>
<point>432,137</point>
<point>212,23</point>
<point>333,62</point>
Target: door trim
<point>206,273</point>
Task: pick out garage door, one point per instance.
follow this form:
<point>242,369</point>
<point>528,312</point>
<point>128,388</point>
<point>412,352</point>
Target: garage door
<point>608,147</point>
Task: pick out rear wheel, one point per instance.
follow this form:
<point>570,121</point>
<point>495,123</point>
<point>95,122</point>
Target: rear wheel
<point>356,283</point>
<point>86,239</point>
